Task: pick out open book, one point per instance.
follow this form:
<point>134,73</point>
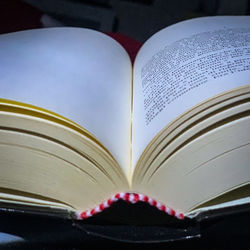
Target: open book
<point>79,124</point>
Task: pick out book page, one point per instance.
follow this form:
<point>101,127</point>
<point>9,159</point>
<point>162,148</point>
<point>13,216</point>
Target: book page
<point>183,65</point>
<point>78,73</point>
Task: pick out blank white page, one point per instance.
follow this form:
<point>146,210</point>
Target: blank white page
<point>78,73</point>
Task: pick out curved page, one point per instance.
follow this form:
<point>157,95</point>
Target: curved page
<point>183,65</point>
<point>78,73</point>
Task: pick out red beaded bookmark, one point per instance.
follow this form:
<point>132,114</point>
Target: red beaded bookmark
<point>131,198</point>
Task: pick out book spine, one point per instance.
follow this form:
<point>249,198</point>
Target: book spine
<point>131,198</point>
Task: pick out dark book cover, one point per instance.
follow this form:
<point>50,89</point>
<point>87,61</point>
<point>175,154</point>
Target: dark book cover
<point>124,225</point>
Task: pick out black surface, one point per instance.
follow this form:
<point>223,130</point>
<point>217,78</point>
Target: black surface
<point>137,226</point>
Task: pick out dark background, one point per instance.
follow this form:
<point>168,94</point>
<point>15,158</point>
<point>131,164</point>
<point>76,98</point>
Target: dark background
<point>138,19</point>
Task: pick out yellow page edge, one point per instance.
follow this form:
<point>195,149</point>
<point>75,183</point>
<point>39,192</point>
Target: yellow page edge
<point>31,110</point>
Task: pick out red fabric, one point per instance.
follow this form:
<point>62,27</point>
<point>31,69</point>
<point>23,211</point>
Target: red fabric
<point>131,45</point>
<point>16,15</point>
